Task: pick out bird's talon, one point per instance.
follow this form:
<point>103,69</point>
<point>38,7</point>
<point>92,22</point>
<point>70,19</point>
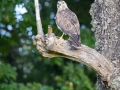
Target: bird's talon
<point>61,38</point>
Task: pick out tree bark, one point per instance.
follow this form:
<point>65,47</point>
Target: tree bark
<point>106,25</point>
<point>106,62</point>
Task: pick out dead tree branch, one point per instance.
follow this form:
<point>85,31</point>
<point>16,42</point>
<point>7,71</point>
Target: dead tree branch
<point>52,46</point>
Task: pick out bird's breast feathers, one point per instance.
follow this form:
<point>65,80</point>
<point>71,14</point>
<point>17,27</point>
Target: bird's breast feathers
<point>67,21</point>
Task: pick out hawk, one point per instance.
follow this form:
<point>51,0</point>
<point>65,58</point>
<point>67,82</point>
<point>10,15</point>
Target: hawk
<point>68,23</point>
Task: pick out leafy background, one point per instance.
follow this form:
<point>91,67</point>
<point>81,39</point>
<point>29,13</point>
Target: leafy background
<point>22,67</point>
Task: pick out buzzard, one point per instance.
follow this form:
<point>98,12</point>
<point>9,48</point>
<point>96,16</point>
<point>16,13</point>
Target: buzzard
<point>68,23</point>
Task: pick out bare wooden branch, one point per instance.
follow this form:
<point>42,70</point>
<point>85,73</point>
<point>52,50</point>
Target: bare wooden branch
<point>52,46</point>
<point>38,19</point>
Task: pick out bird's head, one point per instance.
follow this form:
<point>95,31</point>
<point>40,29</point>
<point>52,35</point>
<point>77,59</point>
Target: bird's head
<point>61,5</point>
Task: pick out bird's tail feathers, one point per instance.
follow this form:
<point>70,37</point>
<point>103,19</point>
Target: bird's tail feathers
<point>75,39</point>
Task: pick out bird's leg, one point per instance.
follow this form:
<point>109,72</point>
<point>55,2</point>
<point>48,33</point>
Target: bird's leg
<point>69,39</point>
<point>62,36</point>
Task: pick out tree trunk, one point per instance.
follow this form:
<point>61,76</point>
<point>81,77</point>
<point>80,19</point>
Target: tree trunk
<point>106,25</point>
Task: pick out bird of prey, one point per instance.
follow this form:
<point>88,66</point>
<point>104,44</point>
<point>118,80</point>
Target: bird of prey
<point>68,23</point>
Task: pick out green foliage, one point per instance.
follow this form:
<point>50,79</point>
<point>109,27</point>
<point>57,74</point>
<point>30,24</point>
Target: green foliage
<point>7,73</point>
<point>21,65</point>
<point>87,38</point>
<point>21,86</point>
<point>73,77</point>
<point>8,76</point>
